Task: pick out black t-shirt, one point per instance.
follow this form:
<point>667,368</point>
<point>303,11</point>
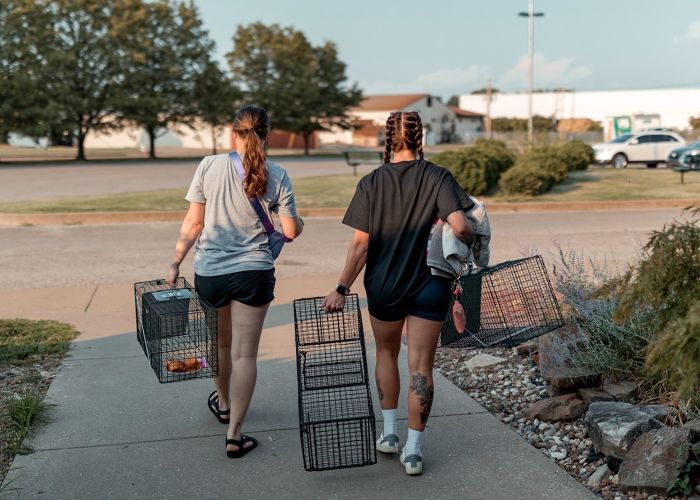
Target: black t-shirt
<point>397,205</point>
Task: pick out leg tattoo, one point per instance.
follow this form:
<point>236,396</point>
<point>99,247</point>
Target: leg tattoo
<point>380,392</point>
<point>424,392</point>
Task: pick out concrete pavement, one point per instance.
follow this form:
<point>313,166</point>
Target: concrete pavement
<point>116,433</point>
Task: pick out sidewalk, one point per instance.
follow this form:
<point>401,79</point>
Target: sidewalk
<point>116,433</point>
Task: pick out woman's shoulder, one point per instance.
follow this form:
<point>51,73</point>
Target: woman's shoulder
<point>275,171</point>
<point>435,169</point>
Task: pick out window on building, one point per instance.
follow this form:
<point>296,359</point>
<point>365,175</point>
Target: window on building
<point>430,101</point>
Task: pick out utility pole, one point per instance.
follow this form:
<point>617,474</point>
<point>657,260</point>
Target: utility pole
<point>531,15</point>
<point>489,98</point>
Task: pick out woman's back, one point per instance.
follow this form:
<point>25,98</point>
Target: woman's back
<point>233,238</point>
<point>397,205</point>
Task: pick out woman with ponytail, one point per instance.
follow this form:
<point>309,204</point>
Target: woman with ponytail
<point>392,212</point>
<point>233,263</point>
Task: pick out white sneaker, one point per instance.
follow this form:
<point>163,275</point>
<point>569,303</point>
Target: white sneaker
<point>388,443</point>
<point>412,463</point>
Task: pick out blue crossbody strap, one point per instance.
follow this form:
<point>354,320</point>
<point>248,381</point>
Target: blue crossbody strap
<point>254,202</point>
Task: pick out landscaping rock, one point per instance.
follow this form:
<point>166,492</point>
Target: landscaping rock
<point>566,407</point>
<point>694,425</point>
<point>483,361</point>
<point>597,477</point>
<point>614,426</point>
<point>526,349</point>
<point>592,395</point>
<point>625,390</point>
<point>655,459</point>
<point>563,380</point>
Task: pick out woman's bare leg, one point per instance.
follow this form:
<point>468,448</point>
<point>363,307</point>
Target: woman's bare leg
<point>247,326</point>
<point>222,380</point>
<point>422,341</point>
<point>387,337</point>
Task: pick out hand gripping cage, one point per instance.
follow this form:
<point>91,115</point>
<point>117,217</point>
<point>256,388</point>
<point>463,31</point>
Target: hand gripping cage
<point>505,305</point>
<point>177,330</point>
<point>336,420</point>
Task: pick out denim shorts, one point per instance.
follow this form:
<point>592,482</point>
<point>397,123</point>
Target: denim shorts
<point>431,303</point>
<point>252,288</point>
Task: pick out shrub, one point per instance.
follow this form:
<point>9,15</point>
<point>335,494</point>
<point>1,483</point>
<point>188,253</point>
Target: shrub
<point>526,179</point>
<point>546,158</point>
<point>497,151</point>
<point>471,167</point>
<point>577,155</point>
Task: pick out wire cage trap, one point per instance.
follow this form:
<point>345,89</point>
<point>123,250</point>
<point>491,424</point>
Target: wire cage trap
<point>505,305</point>
<point>177,330</point>
<point>336,420</point>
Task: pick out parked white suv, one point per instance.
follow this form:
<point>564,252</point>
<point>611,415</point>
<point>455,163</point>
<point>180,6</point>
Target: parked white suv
<point>651,147</point>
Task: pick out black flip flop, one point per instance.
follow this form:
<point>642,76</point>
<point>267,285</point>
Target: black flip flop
<point>242,449</point>
<point>213,405</point>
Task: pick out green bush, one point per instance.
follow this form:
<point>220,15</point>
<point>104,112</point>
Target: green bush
<point>497,151</point>
<point>547,158</point>
<point>526,179</point>
<point>472,168</point>
<point>577,155</point>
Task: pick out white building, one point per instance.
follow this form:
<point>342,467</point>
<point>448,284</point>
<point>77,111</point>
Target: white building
<point>440,122</point>
<point>674,106</point>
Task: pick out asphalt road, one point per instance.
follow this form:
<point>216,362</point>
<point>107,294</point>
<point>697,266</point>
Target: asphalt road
<point>23,183</point>
<point>62,256</point>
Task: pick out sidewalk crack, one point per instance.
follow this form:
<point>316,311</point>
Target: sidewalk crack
<point>94,292</point>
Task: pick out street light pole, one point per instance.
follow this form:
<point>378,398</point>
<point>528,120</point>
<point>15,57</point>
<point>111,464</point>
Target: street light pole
<point>530,14</point>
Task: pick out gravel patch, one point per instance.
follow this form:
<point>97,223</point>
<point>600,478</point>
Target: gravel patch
<point>507,390</point>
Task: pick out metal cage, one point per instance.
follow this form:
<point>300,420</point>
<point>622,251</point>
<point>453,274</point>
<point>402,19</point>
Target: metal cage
<point>336,420</point>
<point>177,330</point>
<point>506,305</point>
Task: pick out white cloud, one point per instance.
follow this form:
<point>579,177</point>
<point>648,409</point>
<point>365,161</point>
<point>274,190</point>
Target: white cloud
<point>547,72</point>
<point>691,33</point>
<point>444,80</point>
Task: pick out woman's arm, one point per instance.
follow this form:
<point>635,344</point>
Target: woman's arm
<point>461,226</point>
<point>189,232</point>
<point>355,261</point>
<point>291,226</point>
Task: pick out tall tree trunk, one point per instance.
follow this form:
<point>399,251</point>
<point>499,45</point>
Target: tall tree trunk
<point>307,137</point>
<point>81,144</point>
<point>213,139</point>
<point>151,131</point>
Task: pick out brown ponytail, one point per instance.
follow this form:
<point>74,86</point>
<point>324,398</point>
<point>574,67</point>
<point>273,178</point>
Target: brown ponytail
<point>404,130</point>
<point>253,125</point>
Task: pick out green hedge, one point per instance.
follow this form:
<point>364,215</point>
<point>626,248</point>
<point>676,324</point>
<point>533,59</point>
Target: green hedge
<point>526,179</point>
<point>477,168</point>
<point>576,154</point>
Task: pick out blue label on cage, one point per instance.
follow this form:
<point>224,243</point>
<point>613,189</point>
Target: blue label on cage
<point>174,294</point>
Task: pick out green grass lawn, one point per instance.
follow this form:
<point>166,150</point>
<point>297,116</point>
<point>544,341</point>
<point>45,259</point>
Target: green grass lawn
<point>596,184</point>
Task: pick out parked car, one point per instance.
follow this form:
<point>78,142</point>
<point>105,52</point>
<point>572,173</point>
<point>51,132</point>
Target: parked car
<point>650,147</point>
<point>679,156</point>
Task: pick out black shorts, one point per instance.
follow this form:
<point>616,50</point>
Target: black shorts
<point>252,288</point>
<point>431,303</point>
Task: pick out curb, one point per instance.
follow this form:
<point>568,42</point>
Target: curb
<point>79,218</point>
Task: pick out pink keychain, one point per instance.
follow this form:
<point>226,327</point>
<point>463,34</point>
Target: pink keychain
<point>459,316</point>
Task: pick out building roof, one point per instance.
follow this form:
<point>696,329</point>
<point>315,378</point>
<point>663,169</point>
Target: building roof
<point>366,128</point>
<point>391,102</point>
<point>463,113</point>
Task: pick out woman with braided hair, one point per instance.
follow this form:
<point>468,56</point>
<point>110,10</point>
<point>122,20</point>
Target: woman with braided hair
<point>233,262</point>
<point>392,212</point>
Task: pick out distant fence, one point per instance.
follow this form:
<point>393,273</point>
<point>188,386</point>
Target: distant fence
<point>519,139</point>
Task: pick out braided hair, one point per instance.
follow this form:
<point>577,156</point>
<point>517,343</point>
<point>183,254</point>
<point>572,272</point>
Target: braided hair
<point>404,130</point>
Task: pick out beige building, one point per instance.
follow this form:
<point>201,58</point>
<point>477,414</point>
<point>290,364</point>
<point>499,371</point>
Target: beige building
<point>441,123</point>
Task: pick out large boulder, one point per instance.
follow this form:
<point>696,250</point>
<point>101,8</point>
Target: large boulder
<point>624,390</point>
<point>566,407</point>
<point>694,425</point>
<point>614,426</point>
<point>655,459</point>
<point>483,361</point>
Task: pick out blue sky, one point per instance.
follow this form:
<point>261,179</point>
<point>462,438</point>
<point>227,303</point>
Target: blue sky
<point>453,46</point>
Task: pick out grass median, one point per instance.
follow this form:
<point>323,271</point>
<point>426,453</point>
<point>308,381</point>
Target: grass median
<point>30,355</point>
<point>596,184</point>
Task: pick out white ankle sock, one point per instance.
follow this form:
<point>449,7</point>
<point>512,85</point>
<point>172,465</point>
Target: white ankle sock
<point>389,421</point>
<point>413,443</point>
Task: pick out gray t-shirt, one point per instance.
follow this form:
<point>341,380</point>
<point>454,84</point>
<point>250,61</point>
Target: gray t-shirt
<point>233,238</point>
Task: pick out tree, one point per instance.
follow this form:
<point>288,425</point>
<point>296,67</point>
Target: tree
<point>484,90</point>
<point>302,87</point>
<point>82,75</point>
<point>25,28</point>
<point>453,101</point>
<point>215,99</point>
<point>694,122</point>
<point>165,48</point>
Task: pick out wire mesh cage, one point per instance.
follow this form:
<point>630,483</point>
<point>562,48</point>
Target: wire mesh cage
<point>177,330</point>
<point>506,305</point>
<point>336,420</point>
